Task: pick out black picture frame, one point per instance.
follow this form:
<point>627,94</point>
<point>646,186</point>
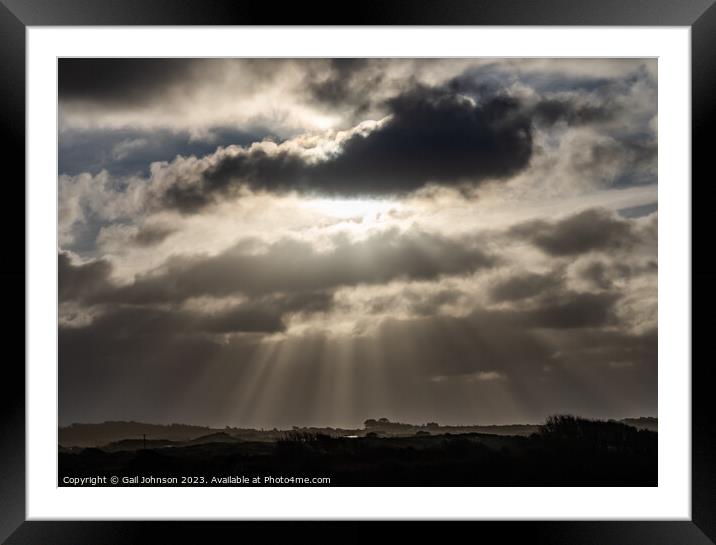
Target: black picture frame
<point>16,15</point>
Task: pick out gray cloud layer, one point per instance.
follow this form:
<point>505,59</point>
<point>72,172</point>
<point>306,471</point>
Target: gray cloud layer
<point>285,266</point>
<point>291,242</point>
<point>587,231</point>
<point>542,341</point>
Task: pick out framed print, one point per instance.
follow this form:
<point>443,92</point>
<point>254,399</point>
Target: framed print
<point>402,266</point>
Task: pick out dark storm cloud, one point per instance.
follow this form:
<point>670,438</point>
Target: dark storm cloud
<point>266,314</point>
<point>597,103</point>
<point>603,274</point>
<point>432,136</point>
<point>76,282</point>
<point>120,82</point>
<point>571,310</point>
<point>430,305</point>
<point>596,273</point>
<point>595,229</point>
<point>258,168</point>
<point>293,266</point>
<point>551,111</point>
<point>493,76</point>
<point>151,235</point>
<point>131,82</point>
<point>524,285</point>
<point>561,309</point>
<point>256,320</point>
<point>552,306</point>
<point>127,83</point>
<point>307,301</point>
<point>634,157</point>
<point>113,325</point>
<point>547,111</point>
<point>346,82</point>
<point>143,322</point>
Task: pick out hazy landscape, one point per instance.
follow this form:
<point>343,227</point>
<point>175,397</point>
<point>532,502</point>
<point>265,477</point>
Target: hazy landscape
<point>564,451</point>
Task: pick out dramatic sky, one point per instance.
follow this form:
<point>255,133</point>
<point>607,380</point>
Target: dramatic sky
<point>277,242</point>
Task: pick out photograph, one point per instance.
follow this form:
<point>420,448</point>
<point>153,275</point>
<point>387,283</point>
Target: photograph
<point>329,272</point>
